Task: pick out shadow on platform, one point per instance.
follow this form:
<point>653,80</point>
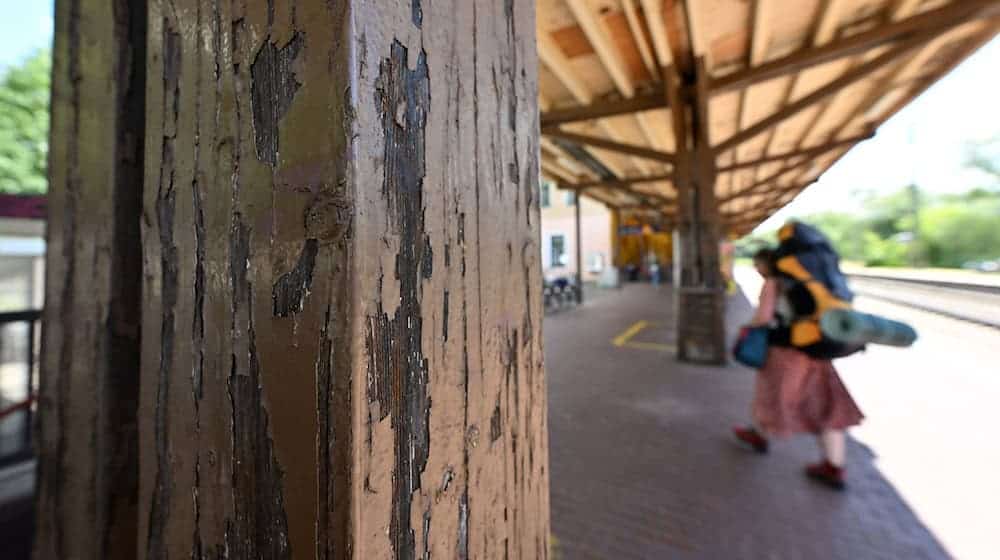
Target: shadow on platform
<point>643,466</point>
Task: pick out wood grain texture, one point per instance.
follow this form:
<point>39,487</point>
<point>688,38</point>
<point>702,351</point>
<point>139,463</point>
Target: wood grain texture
<point>86,434</point>
<point>341,282</point>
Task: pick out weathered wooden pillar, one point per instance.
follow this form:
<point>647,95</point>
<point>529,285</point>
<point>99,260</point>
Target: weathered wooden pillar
<point>700,294</point>
<point>341,318</point>
<point>578,245</point>
<point>86,438</point>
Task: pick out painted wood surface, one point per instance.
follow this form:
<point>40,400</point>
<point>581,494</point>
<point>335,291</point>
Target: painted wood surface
<point>89,370</point>
<point>341,310</point>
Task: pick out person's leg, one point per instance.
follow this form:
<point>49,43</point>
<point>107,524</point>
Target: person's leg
<point>830,471</point>
<point>834,445</point>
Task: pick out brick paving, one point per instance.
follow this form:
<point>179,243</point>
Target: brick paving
<point>643,466</point>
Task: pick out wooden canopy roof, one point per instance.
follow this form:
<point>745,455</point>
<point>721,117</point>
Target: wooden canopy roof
<point>789,86</point>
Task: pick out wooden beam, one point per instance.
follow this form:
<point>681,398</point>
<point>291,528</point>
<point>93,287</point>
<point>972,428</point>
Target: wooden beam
<point>553,58</point>
<point>696,29</point>
<point>760,31</point>
<point>828,22</point>
<point>775,202</point>
<point>619,187</point>
<point>610,145</point>
<point>606,51</point>
<point>558,172</point>
<point>85,439</point>
<point>823,34</point>
<point>663,199</point>
<point>605,108</point>
<point>544,103</point>
<point>808,152</point>
<point>757,185</point>
<point>846,79</point>
<point>888,86</point>
<point>973,44</point>
<point>939,20</point>
<point>627,181</point>
<point>639,36</point>
<point>901,9</point>
<point>661,45</point>
<point>678,112</point>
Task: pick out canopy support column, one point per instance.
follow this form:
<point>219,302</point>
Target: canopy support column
<point>340,351</point>
<point>700,302</point>
<point>577,202</point>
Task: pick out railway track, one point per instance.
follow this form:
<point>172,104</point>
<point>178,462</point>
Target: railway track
<point>975,302</point>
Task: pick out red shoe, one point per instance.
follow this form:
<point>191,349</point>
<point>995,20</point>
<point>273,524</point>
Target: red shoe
<point>752,438</point>
<point>827,474</point>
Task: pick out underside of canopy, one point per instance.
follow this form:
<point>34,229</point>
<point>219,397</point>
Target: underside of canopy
<point>788,88</point>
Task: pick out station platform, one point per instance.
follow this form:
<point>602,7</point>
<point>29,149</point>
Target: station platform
<point>643,464</point>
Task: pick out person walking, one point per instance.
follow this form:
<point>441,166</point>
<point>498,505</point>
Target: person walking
<point>796,393</point>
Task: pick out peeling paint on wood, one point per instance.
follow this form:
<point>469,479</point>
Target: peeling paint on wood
<point>316,377</point>
<point>85,429</point>
<point>291,289</point>
<point>273,86</point>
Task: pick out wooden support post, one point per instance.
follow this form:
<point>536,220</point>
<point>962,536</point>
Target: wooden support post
<point>577,199</point>
<point>616,222</point>
<point>86,435</point>
<point>340,351</point>
<point>698,280</point>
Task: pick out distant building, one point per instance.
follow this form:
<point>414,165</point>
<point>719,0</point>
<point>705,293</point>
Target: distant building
<point>22,252</point>
<point>559,234</point>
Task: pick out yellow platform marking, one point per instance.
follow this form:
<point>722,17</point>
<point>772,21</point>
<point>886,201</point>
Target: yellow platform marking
<point>624,340</point>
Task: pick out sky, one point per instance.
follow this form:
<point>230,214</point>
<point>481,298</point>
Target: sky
<point>25,27</point>
<point>925,143</point>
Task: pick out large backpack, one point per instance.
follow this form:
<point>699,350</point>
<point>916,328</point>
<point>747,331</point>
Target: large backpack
<point>812,283</point>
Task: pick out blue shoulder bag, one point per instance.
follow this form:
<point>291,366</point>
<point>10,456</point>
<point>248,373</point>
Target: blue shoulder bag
<point>751,347</point>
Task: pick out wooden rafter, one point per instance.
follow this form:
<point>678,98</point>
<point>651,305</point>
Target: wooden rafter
<point>771,205</point>
<point>808,153</point>
<point>825,30</point>
<point>606,52</point>
<point>759,185</point>
<point>938,20</point>
<point>851,76</point>
<point>629,181</point>
<point>553,58</point>
<point>661,45</point>
<point>759,40</point>
<point>611,146</point>
<point>557,173</point>
<point>639,36</point>
<point>899,10</point>
<point>886,85</point>
<point>981,38</point>
<point>859,63</point>
<point>605,108</point>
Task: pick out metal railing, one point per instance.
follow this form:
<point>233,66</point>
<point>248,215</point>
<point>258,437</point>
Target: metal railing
<point>18,383</point>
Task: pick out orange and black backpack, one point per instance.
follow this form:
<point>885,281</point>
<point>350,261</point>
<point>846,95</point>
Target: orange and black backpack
<point>812,284</point>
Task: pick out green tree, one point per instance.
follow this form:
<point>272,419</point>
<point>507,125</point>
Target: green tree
<point>962,229</point>
<point>24,125</point>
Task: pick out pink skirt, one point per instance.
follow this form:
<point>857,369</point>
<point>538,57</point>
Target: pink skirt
<point>799,394</point>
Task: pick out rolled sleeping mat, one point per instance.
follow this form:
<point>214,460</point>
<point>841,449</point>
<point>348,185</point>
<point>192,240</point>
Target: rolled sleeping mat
<point>855,327</point>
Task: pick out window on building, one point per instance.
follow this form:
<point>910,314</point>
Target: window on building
<point>557,250</point>
<point>570,198</point>
<point>545,188</point>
